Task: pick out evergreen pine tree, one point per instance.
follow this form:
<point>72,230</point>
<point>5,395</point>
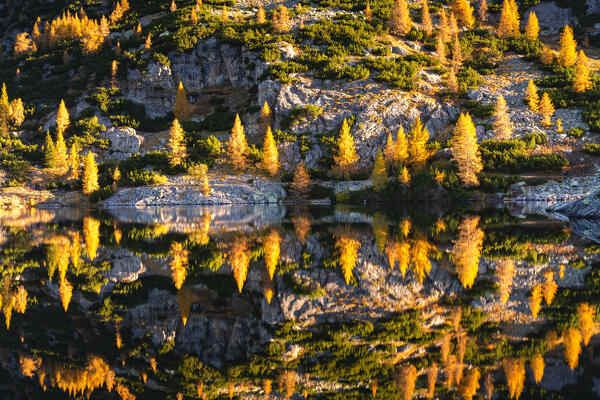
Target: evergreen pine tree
<point>532,96</point>
<point>582,73</point>
<point>61,152</point>
<point>49,152</point>
<point>568,48</point>
<point>90,174</point>
<point>177,146</point>
<point>237,147</point>
<point>270,154</point>
<point>465,151</point>
<point>62,117</point>
<point>345,157</point>
<point>417,144</point>
<point>400,22</point>
<point>379,174</point>
<point>532,29</point>
<point>546,110</point>
<point>503,127</point>
<point>426,18</point>
<point>181,109</point>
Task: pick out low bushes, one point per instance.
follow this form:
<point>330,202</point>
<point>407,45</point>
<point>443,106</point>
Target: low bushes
<point>513,156</point>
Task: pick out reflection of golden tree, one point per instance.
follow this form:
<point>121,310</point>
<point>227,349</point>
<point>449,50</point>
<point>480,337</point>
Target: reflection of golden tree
<point>75,251</point>
<point>504,273</point>
<point>267,386</point>
<point>432,374</point>
<point>390,252</point>
<point>586,315</point>
<point>550,287</point>
<point>470,384</point>
<point>301,226</point>
<point>449,370</point>
<point>380,230</point>
<point>514,370</point>
<point>551,339</point>
<point>272,242</point>
<point>405,227</point>
<point>572,339</point>
<point>268,289</point>
<point>535,300</point>
<point>374,387</point>
<point>179,263</point>
<point>200,236</point>
<point>467,250</point>
<point>287,383</point>
<point>537,367</point>
<point>91,235</point>
<point>445,348</point>
<point>184,299</point>
<point>81,380</point>
<point>239,259</point>
<point>21,300</point>
<point>406,379</point>
<point>29,365</point>
<point>488,386</point>
<point>65,291</point>
<point>419,252</point>
<point>348,248</point>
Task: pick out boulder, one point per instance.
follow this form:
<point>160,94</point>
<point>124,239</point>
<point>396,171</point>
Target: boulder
<point>124,142</point>
<point>587,207</point>
<point>552,18</point>
<point>289,155</point>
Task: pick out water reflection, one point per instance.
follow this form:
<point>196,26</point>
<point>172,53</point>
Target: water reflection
<point>308,302</point>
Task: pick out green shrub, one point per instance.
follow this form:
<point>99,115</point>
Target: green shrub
<point>478,109</point>
<point>575,132</point>
<point>592,148</point>
<point>144,178</point>
<point>304,113</point>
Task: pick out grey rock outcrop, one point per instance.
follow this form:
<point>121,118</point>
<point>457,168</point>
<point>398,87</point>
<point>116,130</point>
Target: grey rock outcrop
<point>552,18</point>
<point>587,207</point>
<point>124,142</point>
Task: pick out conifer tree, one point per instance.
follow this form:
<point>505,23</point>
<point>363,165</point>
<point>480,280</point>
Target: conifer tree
<point>118,50</point>
<point>90,174</point>
<point>301,184</point>
<point>582,73</point>
<point>400,22</point>
<point>482,11</point>
<point>432,374</point>
<point>504,274</point>
<point>546,110</point>
<point>457,57</point>
<point>181,109</point>
<point>49,152</point>
<point>514,370</point>
<point>503,127</point>
<point>74,162</point>
<point>345,157</point>
<point>465,151</point>
<point>389,150</point>
<point>463,12</point>
<point>532,29</point>
<point>237,147</point>
<point>265,119</point>
<point>261,17</point>
<point>116,178</point>
<point>61,152</point>
<point>113,73</point>
<point>535,300</point>
<point>23,45</point>
<point>509,21</point>
<point>568,48</point>
<point>177,148</point>
<point>148,43</point>
<point>549,288</point>
<point>537,367</point>
<point>444,27</point>
<point>404,176</point>
<point>407,377</point>
<point>173,6</point>
<point>417,145</point>
<point>62,117</point>
<point>426,18</point>
<point>379,174</point>
<point>281,19</point>
<point>532,96</point>
<point>17,112</point>
<point>452,81</point>
<point>270,154</point>
<point>194,16</point>
<point>4,104</point>
<point>440,49</point>
<point>368,12</point>
<point>547,56</point>
<point>104,30</point>
<point>452,25</point>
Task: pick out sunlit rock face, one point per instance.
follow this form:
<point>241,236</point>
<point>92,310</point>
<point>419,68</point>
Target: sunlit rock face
<point>172,296</point>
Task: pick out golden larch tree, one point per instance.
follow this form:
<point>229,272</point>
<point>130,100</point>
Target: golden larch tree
<point>348,250</point>
<point>502,125</point>
<point>345,156</point>
<point>582,73</point>
<point>261,16</point>
<point>239,260</point>
<point>181,108</point>
<point>389,150</point>
<point>400,22</point>
<point>463,12</point>
<point>470,384</point>
<point>550,287</point>
<point>444,27</point>
<point>194,16</point>
<point>532,29</point>
<point>509,20</point>
<point>281,19</point>
<point>417,145</point>
<point>401,147</point>
<point>177,148</point>
<point>457,57</point>
<point>379,174</point>
<point>546,110</point>
<point>90,174</point>
<point>568,48</point>
<point>535,300</point>
<point>148,42</point>
<point>452,82</point>
<point>465,151</point>
<point>537,367</point>
<point>23,45</point>
<point>432,374</point>
<point>426,24</point>
<point>532,97</point>
<point>440,49</point>
<point>586,315</point>
<point>173,6</point>
<point>301,184</point>
<point>265,119</point>
<point>482,11</point>
<point>61,152</point>
<point>406,380</point>
<point>17,112</point>
<point>62,117</point>
<point>467,250</point>
<point>270,159</point>
<point>453,25</point>
<point>547,56</point>
<point>488,386</point>
<point>237,147</point>
<point>514,370</point>
<point>572,340</point>
<point>368,12</point>
<point>272,242</point>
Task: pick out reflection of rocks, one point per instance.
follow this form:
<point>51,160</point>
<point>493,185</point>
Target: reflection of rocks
<point>557,375</point>
<point>126,267</point>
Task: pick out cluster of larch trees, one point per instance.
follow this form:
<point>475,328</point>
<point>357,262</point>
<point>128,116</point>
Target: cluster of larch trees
<point>12,113</point>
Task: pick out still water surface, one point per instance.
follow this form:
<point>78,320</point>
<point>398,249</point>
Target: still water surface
<point>275,302</point>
